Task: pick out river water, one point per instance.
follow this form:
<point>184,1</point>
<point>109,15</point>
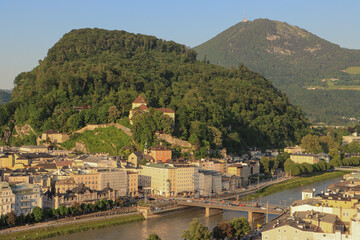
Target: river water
<point>170,227</point>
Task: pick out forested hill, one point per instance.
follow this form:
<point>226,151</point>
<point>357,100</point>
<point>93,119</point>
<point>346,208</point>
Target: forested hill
<point>4,96</point>
<point>103,69</point>
<point>293,60</point>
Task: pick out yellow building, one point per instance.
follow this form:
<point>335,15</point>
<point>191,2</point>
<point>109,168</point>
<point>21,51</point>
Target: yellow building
<point>292,150</point>
<point>7,161</point>
<point>241,170</point>
<point>132,178</point>
<point>61,186</point>
<point>34,149</point>
<point>169,179</point>
<point>168,112</point>
<point>134,159</point>
<point>305,158</point>
<point>53,137</point>
<point>159,177</point>
<point>351,138</point>
<point>344,207</point>
<point>91,180</point>
<point>186,179</point>
<point>305,225</point>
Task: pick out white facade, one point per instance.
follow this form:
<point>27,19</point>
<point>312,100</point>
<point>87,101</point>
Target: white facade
<point>209,182</point>
<point>307,207</point>
<point>27,196</point>
<point>7,198</point>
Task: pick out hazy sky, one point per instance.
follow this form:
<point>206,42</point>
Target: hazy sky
<point>29,28</point>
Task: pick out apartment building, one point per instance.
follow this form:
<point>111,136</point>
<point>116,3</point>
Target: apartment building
<point>241,170</point>
<point>169,179</point>
<point>27,196</point>
<point>7,198</point>
<point>209,182</point>
<point>114,178</point>
<point>305,158</point>
<point>132,179</point>
<point>91,180</point>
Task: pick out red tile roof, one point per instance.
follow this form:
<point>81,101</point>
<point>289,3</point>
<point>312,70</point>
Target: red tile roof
<point>166,110</point>
<point>143,107</point>
<point>139,99</point>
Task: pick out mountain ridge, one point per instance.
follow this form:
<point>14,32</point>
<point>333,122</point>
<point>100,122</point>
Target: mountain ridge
<point>292,58</point>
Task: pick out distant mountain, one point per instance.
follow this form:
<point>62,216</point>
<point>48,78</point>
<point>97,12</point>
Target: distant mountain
<point>294,60</point>
<point>4,96</point>
<point>107,70</point>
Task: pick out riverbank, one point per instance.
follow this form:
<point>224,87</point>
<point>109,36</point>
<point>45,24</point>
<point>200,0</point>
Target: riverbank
<point>72,227</point>
<point>293,183</point>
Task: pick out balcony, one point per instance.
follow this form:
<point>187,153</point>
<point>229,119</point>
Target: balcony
<point>25,200</point>
<point>25,207</point>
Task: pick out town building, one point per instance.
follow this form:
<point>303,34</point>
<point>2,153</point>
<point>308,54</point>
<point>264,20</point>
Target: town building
<point>293,150</point>
<point>78,195</point>
<point>90,180</point>
<point>306,225</point>
<point>7,198</point>
<point>305,158</point>
<point>114,178</point>
<point>351,138</point>
<point>34,149</point>
<point>134,159</point>
<point>52,137</point>
<point>209,182</point>
<point>27,196</point>
<point>62,186</point>
<point>243,171</point>
<point>161,154</point>
<point>140,106</point>
<point>132,180</point>
<point>169,179</point>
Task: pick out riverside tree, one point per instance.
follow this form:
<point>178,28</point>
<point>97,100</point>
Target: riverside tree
<point>196,231</point>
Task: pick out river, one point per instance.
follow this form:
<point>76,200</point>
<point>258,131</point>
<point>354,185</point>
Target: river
<point>170,227</point>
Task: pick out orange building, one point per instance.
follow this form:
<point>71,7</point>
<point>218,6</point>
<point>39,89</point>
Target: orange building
<point>160,153</point>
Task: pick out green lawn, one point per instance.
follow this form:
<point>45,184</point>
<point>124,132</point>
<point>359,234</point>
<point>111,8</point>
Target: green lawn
<point>43,233</point>
<point>109,140</point>
<point>353,70</point>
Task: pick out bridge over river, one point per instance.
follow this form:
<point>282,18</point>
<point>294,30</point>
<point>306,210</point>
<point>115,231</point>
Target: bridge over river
<point>254,212</point>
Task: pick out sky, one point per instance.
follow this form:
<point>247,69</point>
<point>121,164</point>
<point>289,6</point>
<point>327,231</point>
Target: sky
<point>28,29</point>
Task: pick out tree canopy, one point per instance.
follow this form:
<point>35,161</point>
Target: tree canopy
<point>91,76</point>
<point>196,231</point>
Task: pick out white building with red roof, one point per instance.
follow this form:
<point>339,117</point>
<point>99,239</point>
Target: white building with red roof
<point>140,106</point>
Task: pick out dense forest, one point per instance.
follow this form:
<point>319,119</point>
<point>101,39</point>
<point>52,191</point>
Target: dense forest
<point>106,70</point>
<point>4,96</point>
<point>293,60</point>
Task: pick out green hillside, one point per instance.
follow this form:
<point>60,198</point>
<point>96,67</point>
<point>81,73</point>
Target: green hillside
<point>4,96</point>
<point>295,61</point>
<point>107,70</point>
<point>110,140</point>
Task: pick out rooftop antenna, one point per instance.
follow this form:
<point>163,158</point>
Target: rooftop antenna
<point>244,20</point>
